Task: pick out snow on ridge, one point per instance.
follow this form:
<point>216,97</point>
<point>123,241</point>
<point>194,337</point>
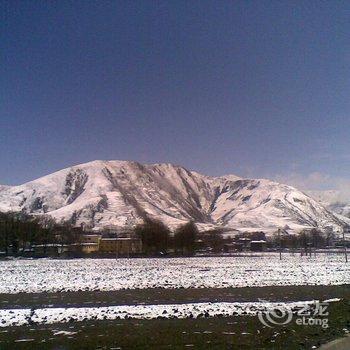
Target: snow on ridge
<point>334,200</point>
<point>121,193</point>
<point>4,187</point>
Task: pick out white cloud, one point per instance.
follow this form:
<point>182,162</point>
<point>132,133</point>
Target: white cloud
<point>312,181</point>
<point>317,181</point>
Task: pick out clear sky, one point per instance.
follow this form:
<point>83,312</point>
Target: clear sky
<point>253,88</point>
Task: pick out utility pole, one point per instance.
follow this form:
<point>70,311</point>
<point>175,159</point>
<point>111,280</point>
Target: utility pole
<point>315,242</point>
<point>344,244</point>
<point>280,243</point>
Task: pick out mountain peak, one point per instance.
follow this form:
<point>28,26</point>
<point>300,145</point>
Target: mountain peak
<point>105,193</point>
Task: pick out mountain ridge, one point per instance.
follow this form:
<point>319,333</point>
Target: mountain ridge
<point>119,194</point>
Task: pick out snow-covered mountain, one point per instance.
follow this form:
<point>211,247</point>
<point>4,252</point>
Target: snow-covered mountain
<point>333,200</point>
<point>102,194</point>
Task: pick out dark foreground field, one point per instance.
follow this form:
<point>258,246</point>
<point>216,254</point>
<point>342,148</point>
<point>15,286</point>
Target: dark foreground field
<point>170,296</point>
<point>244,332</point>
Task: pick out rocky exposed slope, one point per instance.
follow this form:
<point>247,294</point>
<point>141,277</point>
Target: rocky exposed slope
<point>101,194</point>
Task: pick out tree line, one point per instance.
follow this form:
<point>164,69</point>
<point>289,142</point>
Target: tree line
<point>157,239</point>
<point>20,232</point>
<point>304,240</point>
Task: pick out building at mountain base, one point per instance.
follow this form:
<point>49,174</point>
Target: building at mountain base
<point>123,246</point>
<point>90,246</point>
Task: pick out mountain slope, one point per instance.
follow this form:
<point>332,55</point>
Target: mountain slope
<point>333,200</point>
<point>101,194</point>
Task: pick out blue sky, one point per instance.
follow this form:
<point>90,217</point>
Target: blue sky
<point>254,88</point>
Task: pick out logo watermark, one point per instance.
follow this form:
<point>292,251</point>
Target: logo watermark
<point>306,315</point>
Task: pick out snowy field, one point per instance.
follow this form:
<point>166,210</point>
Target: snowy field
<point>20,317</point>
<point>46,275</point>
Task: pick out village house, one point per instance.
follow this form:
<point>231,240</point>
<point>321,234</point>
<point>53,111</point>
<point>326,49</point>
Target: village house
<point>94,238</point>
<point>124,246</point>
<point>258,246</point>
<point>244,243</point>
<point>89,248</point>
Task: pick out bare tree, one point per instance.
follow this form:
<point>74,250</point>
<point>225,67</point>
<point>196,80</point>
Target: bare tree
<point>154,236</point>
<point>344,243</point>
<point>185,238</point>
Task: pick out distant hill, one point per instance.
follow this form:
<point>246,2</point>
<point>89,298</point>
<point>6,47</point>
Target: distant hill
<point>120,194</point>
